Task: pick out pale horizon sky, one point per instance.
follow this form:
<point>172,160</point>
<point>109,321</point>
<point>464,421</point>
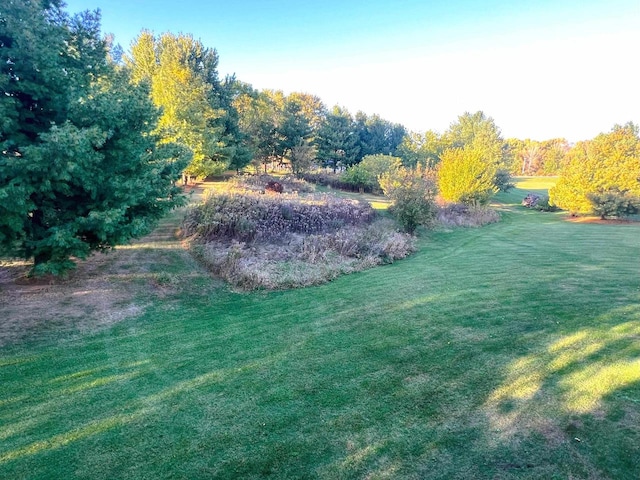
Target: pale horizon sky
<point>541,69</point>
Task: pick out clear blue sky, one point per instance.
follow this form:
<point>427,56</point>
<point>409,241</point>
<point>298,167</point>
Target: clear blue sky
<point>541,69</point>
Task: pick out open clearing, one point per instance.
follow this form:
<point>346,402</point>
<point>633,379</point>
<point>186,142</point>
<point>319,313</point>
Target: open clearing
<point>508,351</point>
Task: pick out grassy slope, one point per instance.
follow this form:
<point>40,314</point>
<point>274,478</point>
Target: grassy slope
<point>510,351</point>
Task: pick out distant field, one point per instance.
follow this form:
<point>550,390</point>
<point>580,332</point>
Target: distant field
<point>537,185</point>
<point>509,351</point>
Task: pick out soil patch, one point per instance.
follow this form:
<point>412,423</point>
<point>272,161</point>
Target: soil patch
<point>104,289</point>
<point>600,221</point>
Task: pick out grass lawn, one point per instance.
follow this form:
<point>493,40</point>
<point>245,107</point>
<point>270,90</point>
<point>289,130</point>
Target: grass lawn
<point>509,351</point>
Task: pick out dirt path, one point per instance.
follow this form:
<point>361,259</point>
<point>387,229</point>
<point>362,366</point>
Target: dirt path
<point>103,290</point>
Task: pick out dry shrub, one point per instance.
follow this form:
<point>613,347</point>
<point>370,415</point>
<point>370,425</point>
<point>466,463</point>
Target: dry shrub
<point>251,216</point>
<point>460,215</point>
<point>260,183</point>
<point>304,260</point>
<point>274,187</point>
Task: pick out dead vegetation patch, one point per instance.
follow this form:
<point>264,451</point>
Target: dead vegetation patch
<point>105,289</point>
<point>255,240</point>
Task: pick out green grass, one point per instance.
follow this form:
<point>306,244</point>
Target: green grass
<point>537,185</point>
<point>509,351</point>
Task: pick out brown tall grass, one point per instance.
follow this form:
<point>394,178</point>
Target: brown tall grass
<point>255,240</point>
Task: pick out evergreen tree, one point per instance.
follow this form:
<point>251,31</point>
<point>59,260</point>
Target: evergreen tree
<point>377,136</point>
<point>337,140</point>
<point>79,167</point>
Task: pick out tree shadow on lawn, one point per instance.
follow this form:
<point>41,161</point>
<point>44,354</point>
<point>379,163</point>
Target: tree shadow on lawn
<point>433,400</point>
<point>408,371</point>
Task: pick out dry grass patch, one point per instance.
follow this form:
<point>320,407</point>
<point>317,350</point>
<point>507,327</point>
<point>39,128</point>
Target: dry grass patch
<point>460,215</point>
<point>276,241</point>
<point>103,290</point>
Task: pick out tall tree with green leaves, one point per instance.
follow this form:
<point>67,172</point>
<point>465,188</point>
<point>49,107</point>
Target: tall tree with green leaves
<point>337,140</point>
<point>377,136</point>
<point>479,133</point>
<point>260,116</point>
<point>421,149</point>
<point>80,170</point>
<point>195,106</point>
<point>600,171</point>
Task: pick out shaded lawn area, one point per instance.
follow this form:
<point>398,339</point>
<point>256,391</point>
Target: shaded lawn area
<point>509,351</point>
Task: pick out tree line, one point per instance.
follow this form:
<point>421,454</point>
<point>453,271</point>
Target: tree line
<point>94,139</point>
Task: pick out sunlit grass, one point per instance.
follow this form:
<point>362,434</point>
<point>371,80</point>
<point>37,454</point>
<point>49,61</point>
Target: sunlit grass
<point>508,351</point>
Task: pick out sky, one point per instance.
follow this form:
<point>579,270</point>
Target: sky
<point>540,68</point>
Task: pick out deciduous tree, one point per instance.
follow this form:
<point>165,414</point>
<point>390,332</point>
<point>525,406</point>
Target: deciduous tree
<point>184,83</point>
<point>465,177</point>
<point>608,165</point>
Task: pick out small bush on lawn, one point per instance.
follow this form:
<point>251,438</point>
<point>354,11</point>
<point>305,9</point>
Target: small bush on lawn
<point>412,192</point>
<point>461,215</point>
<point>531,200</point>
<point>544,206</point>
<point>614,203</point>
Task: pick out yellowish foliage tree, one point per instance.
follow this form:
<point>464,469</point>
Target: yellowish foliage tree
<point>464,176</point>
<point>182,75</point>
<point>607,165</point>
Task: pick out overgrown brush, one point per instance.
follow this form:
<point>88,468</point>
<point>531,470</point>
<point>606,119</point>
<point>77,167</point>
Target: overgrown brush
<point>259,183</point>
<point>460,215</point>
<point>304,260</point>
<point>252,216</point>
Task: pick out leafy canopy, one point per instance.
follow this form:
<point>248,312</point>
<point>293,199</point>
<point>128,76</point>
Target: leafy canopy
<point>196,110</point>
<point>596,170</point>
<point>464,176</point>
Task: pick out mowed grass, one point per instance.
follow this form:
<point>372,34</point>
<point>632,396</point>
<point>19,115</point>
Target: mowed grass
<point>508,351</point>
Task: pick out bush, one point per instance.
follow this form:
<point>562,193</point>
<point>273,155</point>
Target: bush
<point>412,192</point>
<point>614,203</point>
<point>531,200</point>
<point>252,216</point>
<point>544,205</point>
<point>260,183</point>
<point>503,180</point>
<point>364,175</point>
<point>333,180</point>
<point>303,260</point>
<point>460,215</point>
<point>274,187</point>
